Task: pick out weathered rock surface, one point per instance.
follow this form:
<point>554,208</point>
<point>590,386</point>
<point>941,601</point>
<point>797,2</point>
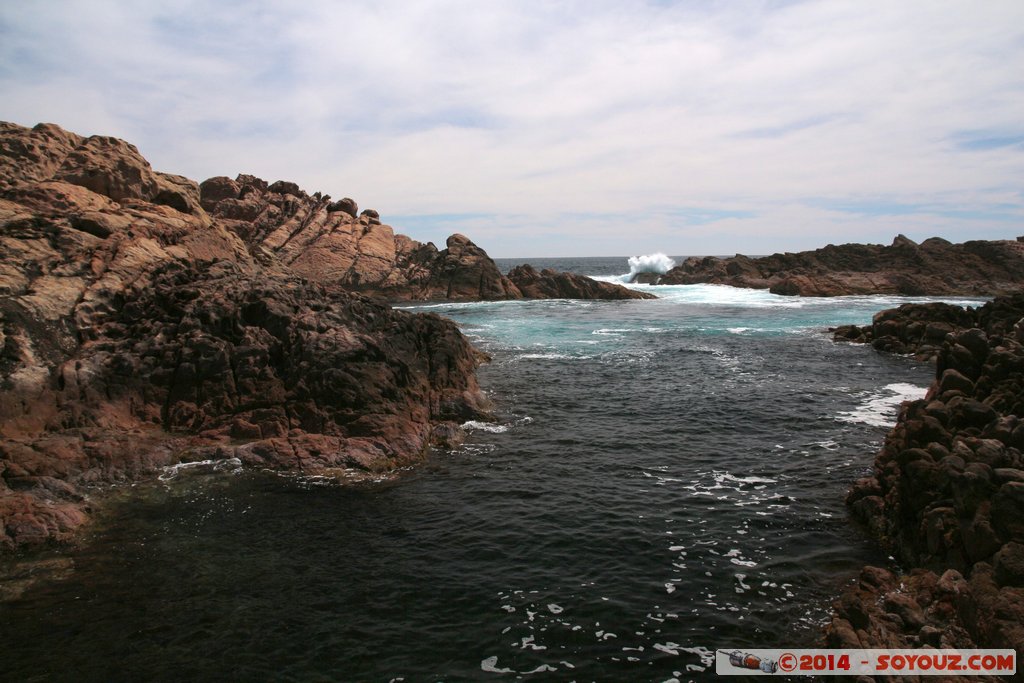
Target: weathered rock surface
<point>921,329</point>
<point>146,320</point>
<point>327,242</point>
<point>551,284</point>
<point>138,331</point>
<point>934,267</point>
<point>947,493</point>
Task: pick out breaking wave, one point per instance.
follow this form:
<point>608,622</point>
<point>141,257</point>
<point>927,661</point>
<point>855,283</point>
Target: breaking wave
<point>648,263</point>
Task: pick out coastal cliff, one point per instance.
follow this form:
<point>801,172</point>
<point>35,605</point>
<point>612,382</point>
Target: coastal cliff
<point>147,320</point>
<point>139,331</point>
<point>946,497</point>
<point>935,267</point>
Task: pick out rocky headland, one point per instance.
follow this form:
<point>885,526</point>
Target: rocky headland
<point>147,320</point>
<point>935,267</point>
<point>946,496</point>
<point>334,243</point>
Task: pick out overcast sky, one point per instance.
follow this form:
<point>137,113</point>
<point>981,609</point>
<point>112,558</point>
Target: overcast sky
<point>562,128</point>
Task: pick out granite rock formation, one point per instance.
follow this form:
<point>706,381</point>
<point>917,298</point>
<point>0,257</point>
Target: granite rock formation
<point>551,284</point>
<point>914,329</point>
<point>933,267</point>
<point>326,241</point>
<point>947,493</point>
<point>331,243</point>
<point>920,329</point>
<point>147,321</point>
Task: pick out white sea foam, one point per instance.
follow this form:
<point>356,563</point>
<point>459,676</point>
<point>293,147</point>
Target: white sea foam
<point>528,642</point>
<point>880,408</point>
<point>614,332</point>
<point>743,480</point>
<point>490,665</point>
<point>476,425</point>
<point>540,669</point>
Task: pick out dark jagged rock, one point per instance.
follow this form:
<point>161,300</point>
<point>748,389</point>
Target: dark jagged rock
<point>934,267</point>
<point>461,271</point>
<point>917,329</point>
<point>920,329</point>
<point>551,284</point>
<point>646,278</point>
<point>947,493</point>
<point>137,332</point>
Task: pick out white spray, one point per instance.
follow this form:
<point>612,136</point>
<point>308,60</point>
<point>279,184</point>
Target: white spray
<point>649,263</point>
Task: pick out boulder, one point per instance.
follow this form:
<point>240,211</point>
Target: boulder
<point>346,205</point>
<point>947,492</point>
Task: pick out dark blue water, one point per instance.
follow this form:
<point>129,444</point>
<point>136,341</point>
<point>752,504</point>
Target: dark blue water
<point>666,479</point>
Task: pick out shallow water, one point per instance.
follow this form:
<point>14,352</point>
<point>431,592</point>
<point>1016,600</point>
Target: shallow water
<point>666,479</point>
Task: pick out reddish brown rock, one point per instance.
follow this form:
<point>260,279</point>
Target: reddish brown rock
<point>919,609</point>
<point>326,242</point>
<point>934,267</point>
<point>461,271</point>
<point>33,155</point>
<point>137,331</point>
<point>947,493</point>
<point>145,319</point>
<point>921,329</point>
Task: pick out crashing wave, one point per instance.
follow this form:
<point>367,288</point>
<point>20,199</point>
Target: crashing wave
<point>648,263</point>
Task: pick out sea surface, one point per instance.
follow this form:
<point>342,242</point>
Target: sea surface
<point>666,478</point>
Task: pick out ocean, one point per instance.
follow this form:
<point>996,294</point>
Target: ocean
<point>666,478</point>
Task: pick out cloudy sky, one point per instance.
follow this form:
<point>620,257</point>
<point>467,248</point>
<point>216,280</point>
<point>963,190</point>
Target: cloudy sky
<point>562,128</point>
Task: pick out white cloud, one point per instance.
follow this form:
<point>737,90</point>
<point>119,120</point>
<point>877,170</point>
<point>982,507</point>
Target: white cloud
<point>533,113</point>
